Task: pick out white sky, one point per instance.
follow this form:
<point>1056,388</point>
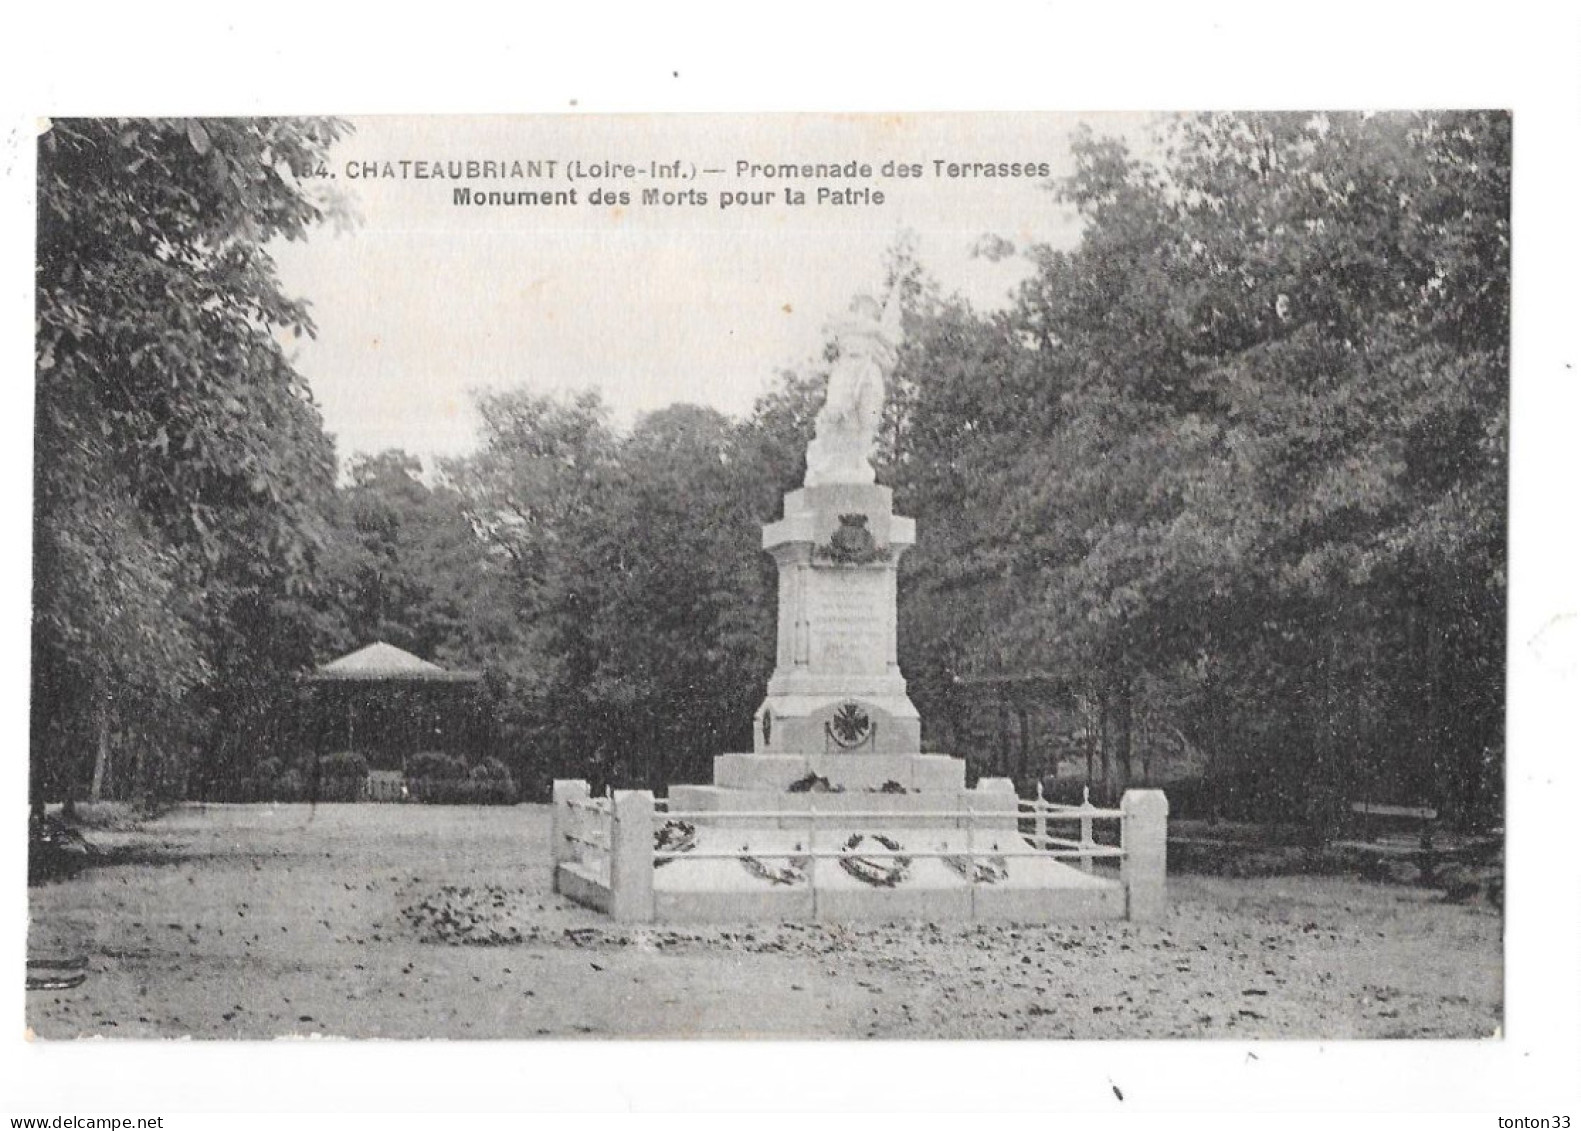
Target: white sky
<point>423,301</point>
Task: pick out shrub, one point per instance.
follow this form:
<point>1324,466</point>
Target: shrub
<point>340,789</point>
<point>436,779</point>
<point>490,770</point>
<point>430,764</point>
<point>344,764</point>
<point>465,791</point>
<point>341,775</point>
<point>273,779</point>
<point>289,786</point>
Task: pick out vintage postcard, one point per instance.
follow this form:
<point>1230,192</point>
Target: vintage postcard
<point>919,576</point>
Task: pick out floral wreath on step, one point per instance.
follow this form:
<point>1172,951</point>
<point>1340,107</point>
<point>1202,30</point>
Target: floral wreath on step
<point>978,869</point>
<point>673,836</point>
<point>883,872</point>
<point>791,873</point>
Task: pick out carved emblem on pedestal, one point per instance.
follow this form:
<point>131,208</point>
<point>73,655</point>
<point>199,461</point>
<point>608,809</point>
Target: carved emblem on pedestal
<point>850,726</point>
<point>851,544</point>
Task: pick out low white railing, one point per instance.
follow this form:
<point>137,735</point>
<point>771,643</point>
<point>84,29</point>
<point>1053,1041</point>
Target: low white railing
<point>1038,812</point>
<point>975,822</point>
<point>583,829</point>
<point>1044,812</point>
<point>614,839</point>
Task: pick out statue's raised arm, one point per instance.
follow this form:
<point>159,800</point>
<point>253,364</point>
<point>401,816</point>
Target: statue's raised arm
<point>846,431</point>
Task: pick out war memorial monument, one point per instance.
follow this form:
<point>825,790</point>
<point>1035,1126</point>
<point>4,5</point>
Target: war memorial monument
<point>837,814</point>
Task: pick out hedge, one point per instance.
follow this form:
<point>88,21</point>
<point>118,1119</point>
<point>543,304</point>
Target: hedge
<point>467,791</point>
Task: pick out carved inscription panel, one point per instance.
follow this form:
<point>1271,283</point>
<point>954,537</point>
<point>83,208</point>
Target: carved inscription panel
<point>851,617</point>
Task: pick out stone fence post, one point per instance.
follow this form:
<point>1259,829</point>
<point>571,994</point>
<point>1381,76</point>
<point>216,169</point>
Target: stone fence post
<point>561,821</point>
<point>1142,835</point>
<point>996,796</point>
<point>631,857</point>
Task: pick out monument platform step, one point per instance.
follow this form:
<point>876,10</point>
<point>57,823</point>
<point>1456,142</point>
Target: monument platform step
<point>737,888</point>
<point>950,809</point>
<point>926,773</point>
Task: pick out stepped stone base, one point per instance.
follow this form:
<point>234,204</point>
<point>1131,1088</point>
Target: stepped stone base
<point>724,891</point>
<point>912,808</point>
<point>800,710</point>
<point>926,772</point>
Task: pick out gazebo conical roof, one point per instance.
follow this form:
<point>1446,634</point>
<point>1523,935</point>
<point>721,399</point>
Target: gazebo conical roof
<point>381,662</point>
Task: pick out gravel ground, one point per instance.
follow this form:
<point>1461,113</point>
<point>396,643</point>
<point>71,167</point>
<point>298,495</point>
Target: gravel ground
<point>418,921</point>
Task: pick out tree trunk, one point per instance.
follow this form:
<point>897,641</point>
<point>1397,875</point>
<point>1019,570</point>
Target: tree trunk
<point>1103,741</point>
<point>1092,739</point>
<point>1026,744</point>
<point>1002,762</point>
<point>142,785</point>
<point>101,758</point>
<point>1431,766</point>
<point>659,760</point>
<point>1317,778</point>
<point>1214,747</point>
<point>1125,730</point>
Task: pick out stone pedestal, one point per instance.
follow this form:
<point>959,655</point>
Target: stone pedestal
<point>837,687</point>
<point>837,791</point>
<point>837,814</point>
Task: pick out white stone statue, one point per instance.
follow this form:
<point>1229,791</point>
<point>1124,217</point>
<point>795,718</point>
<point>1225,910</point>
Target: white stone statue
<point>847,426</point>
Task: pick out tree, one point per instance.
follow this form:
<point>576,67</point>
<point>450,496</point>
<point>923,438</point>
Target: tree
<point>634,567</point>
<point>181,465</point>
<point>1249,432</point>
<point>681,598</point>
<point>405,565</point>
<point>530,491</point>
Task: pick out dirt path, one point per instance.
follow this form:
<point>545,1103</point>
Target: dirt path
<point>258,921</point>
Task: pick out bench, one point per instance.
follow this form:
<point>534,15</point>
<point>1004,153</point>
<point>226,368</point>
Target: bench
<point>1419,819</point>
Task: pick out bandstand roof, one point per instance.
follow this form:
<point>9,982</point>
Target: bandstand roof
<point>381,662</point>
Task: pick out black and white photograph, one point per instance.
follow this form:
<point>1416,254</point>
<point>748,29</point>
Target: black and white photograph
<point>771,576</point>
<point>935,579</point>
